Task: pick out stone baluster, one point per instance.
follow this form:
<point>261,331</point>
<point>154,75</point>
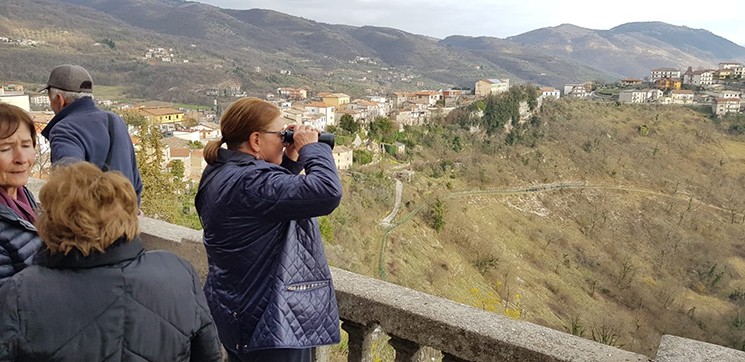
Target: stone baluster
<point>321,354</point>
<point>360,341</point>
<point>406,351</point>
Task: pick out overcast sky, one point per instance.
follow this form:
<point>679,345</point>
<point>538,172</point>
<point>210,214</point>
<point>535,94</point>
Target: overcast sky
<point>503,18</point>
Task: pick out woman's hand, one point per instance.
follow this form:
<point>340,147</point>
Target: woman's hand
<point>291,152</point>
<point>302,136</point>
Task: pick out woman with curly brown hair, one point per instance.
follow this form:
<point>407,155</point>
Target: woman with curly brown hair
<point>96,294</point>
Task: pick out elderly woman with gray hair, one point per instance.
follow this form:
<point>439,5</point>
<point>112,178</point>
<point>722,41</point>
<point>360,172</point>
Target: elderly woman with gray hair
<point>96,295</point>
<point>19,241</point>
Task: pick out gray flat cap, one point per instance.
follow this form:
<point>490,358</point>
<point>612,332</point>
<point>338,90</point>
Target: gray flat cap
<point>71,78</point>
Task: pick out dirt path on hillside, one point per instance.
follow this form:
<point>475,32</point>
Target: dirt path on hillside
<point>399,191</point>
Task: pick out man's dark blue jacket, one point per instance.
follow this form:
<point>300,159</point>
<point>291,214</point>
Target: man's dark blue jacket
<point>269,284</point>
<point>80,131</point>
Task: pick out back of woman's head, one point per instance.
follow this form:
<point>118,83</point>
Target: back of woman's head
<point>242,118</point>
<point>87,209</point>
<point>12,117</point>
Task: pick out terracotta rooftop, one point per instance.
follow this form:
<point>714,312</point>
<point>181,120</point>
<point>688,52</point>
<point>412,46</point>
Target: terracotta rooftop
<point>39,127</point>
<point>180,152</point>
<point>174,142</point>
<point>211,125</point>
<point>337,95</point>
<point>319,105</point>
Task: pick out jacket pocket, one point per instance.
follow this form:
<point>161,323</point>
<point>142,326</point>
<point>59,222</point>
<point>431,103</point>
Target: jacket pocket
<point>311,307</point>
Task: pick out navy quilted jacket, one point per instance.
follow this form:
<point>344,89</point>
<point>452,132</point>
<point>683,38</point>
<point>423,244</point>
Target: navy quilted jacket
<point>80,131</point>
<point>121,305</point>
<point>269,284</point>
<point>18,240</point>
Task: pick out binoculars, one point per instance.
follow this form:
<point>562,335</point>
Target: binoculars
<point>327,138</point>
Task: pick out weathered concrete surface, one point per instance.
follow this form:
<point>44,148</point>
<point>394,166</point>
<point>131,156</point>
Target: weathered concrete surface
<point>182,241</point>
<point>677,349</point>
<point>465,332</point>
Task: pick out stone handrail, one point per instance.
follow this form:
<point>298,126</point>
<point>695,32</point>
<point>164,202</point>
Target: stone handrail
<point>414,320</point>
<point>461,332</point>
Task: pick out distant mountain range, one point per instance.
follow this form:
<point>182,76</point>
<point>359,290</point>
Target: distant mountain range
<point>251,47</point>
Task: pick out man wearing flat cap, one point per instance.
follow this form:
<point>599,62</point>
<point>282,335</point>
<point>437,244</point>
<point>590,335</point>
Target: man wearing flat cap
<point>82,131</point>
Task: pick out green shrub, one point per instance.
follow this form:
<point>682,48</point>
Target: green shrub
<point>361,157</point>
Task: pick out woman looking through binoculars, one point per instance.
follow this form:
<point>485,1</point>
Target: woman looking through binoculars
<point>269,285</point>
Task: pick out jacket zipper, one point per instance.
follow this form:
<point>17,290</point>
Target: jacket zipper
<point>307,286</point>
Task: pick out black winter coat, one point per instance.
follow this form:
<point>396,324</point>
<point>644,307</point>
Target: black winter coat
<point>19,241</point>
<point>121,305</point>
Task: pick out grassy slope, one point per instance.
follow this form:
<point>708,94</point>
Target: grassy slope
<point>633,255</point>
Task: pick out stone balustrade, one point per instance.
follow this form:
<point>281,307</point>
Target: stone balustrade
<point>417,322</point>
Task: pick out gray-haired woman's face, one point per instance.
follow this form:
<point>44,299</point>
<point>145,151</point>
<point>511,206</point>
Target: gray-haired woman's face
<point>17,156</point>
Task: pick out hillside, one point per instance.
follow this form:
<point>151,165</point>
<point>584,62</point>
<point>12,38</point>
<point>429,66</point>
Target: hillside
<point>600,230</point>
<point>222,46</point>
<point>632,49</point>
<point>251,47</point>
<point>533,65</point>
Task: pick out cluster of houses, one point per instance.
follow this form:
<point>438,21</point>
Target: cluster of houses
<point>184,140</point>
<point>21,42</point>
<point>666,87</point>
<point>226,90</point>
<point>161,54</point>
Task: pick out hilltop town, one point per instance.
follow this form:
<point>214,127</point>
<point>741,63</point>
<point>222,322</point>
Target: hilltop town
<point>185,131</point>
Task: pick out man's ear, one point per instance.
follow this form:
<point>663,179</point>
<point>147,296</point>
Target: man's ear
<point>60,100</point>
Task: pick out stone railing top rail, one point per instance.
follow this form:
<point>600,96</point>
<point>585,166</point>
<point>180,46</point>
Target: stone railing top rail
<point>460,330</point>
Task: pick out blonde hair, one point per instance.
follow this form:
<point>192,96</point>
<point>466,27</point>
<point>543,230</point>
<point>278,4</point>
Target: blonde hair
<point>242,118</point>
<point>87,209</point>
